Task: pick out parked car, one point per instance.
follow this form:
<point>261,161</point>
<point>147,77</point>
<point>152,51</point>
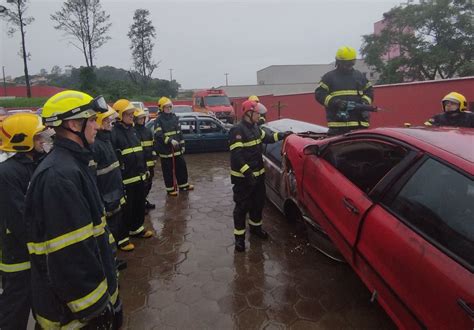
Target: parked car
<point>153,111</point>
<point>182,109</point>
<point>202,133</point>
<point>399,205</point>
<point>281,184</point>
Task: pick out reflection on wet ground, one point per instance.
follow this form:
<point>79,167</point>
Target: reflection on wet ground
<point>188,277</point>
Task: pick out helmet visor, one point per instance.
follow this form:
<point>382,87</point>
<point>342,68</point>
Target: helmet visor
<point>99,104</point>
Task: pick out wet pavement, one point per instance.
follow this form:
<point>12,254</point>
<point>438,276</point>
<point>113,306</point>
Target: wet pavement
<point>189,277</point>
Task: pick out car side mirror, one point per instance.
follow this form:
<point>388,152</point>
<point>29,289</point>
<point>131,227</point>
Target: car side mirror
<point>312,149</point>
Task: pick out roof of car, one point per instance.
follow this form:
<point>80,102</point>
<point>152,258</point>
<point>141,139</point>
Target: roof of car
<point>193,114</point>
<point>295,126</point>
<point>456,141</point>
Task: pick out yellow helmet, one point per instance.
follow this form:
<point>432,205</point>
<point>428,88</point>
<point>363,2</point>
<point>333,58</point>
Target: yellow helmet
<point>346,53</point>
<point>122,106</point>
<point>456,98</point>
<point>253,98</point>
<point>164,101</point>
<point>109,113</point>
<point>18,130</point>
<point>139,113</point>
<point>69,105</point>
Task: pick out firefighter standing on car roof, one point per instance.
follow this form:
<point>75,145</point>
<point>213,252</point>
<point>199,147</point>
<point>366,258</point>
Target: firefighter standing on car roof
<point>146,137</point>
<point>73,274</point>
<point>247,172</point>
<point>342,92</point>
<point>454,113</point>
<point>169,145</point>
<point>109,179</point>
<point>21,144</point>
<point>134,172</point>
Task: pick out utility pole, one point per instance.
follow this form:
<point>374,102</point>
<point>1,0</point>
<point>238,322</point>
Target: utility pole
<point>279,106</point>
<point>4,82</point>
<point>226,79</point>
<point>171,74</point>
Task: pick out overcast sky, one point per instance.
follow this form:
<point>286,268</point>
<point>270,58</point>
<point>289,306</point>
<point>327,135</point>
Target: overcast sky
<point>202,40</point>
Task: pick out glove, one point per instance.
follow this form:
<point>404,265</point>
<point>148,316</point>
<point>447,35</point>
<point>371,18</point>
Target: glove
<point>351,105</point>
<point>340,104</point>
<point>147,175</point>
<point>104,320</point>
<point>284,135</point>
<point>251,179</point>
<point>175,143</point>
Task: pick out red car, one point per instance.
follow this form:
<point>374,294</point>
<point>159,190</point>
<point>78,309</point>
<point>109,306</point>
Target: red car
<point>398,203</point>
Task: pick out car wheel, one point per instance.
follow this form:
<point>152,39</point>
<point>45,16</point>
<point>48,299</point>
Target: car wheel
<point>292,212</point>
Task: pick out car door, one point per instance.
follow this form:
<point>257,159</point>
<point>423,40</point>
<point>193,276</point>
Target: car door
<point>274,173</point>
<point>336,186</point>
<point>213,136</point>
<point>189,131</point>
<point>420,241</point>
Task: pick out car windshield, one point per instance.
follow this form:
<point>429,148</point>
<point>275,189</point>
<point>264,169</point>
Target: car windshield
<point>182,108</point>
<point>216,100</point>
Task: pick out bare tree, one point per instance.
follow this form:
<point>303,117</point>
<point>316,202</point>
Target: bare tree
<point>86,23</point>
<point>16,16</point>
<point>141,34</point>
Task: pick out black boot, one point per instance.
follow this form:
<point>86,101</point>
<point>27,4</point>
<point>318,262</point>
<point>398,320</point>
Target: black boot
<point>259,232</point>
<point>240,243</point>
<point>149,206</point>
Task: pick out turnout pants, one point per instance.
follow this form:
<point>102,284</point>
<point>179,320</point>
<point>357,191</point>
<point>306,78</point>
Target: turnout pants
<point>15,301</point>
<point>134,209</point>
<point>180,170</point>
<point>249,199</point>
<point>118,227</point>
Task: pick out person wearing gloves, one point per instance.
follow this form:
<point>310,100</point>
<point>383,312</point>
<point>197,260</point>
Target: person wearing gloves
<point>248,172</point>
<point>22,143</point>
<point>109,179</point>
<point>132,163</point>
<point>169,145</point>
<point>73,273</point>
<point>146,138</point>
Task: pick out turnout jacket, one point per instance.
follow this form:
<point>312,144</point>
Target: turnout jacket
<point>146,138</point>
<point>348,86</point>
<point>73,274</point>
<point>452,118</point>
<point>129,151</point>
<point>109,176</point>
<point>15,174</point>
<point>245,141</point>
<point>167,128</point>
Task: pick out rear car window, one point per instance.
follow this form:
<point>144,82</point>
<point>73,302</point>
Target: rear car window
<point>188,126</point>
<point>209,126</point>
<point>364,162</point>
<point>439,202</point>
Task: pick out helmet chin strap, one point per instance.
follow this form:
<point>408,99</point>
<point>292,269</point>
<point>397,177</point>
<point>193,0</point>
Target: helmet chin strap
<point>80,134</point>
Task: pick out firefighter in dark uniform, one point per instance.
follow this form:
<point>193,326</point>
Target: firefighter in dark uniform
<point>73,274</point>
<point>109,179</point>
<point>454,113</point>
<point>169,145</point>
<point>247,172</point>
<point>22,146</point>
<point>346,94</point>
<point>146,138</point>
<point>134,173</point>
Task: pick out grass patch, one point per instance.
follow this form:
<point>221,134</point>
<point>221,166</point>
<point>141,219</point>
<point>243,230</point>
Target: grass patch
<point>23,102</point>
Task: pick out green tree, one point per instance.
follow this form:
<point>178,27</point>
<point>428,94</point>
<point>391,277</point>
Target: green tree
<point>87,23</point>
<point>141,34</point>
<point>16,16</point>
<point>435,39</point>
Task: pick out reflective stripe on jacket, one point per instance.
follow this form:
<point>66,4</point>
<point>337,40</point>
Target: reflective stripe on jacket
<point>146,138</point>
<point>347,86</point>
<point>15,174</point>
<point>245,144</point>
<point>129,152</point>
<point>73,274</point>
<point>167,128</point>
<point>109,176</point>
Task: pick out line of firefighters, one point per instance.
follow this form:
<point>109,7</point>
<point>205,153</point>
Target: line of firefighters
<point>64,215</point>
